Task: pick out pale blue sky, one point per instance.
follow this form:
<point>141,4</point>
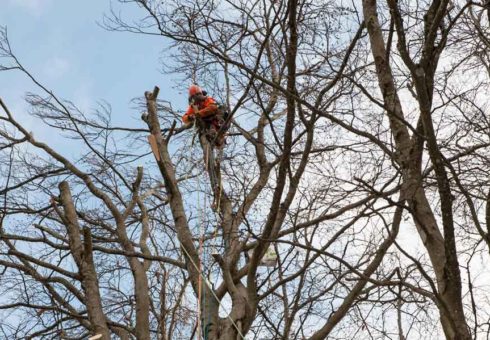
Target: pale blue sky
<point>60,42</point>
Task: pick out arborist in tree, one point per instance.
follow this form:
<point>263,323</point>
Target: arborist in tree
<point>211,114</point>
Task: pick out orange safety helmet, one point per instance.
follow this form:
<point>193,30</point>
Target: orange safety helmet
<point>194,89</point>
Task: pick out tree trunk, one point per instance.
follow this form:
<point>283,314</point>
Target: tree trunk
<point>441,249</point>
<point>82,254</point>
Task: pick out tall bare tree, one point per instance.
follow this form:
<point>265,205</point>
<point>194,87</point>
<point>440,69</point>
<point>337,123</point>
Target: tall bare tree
<point>357,153</point>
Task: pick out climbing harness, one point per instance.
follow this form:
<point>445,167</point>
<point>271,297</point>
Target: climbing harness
<point>213,127</point>
<point>211,164</point>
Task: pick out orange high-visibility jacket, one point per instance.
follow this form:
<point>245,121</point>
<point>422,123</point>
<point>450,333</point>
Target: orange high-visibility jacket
<point>206,108</point>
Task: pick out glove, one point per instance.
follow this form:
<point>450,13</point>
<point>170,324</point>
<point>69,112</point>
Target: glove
<point>188,118</point>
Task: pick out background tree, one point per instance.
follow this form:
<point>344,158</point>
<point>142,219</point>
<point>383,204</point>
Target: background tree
<point>351,130</point>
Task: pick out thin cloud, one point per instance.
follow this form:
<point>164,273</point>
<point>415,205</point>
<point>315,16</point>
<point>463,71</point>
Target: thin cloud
<point>56,67</point>
<point>34,7</point>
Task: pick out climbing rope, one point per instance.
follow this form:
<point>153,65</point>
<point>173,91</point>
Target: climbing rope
<point>200,267</point>
<point>218,222</point>
<point>201,242</point>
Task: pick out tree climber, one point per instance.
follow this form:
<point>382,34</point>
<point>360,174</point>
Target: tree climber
<point>212,115</point>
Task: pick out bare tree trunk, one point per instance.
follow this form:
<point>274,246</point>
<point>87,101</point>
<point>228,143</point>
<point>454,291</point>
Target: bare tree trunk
<point>141,291</point>
<point>441,249</point>
<point>83,256</point>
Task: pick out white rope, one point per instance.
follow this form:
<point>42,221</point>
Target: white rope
<point>201,274</point>
<point>199,289</point>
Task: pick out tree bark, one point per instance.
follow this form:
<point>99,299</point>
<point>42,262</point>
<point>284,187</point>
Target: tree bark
<point>441,249</point>
<point>83,256</point>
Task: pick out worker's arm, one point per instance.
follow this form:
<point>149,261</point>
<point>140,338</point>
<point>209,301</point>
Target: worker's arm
<point>210,108</point>
<point>208,111</point>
